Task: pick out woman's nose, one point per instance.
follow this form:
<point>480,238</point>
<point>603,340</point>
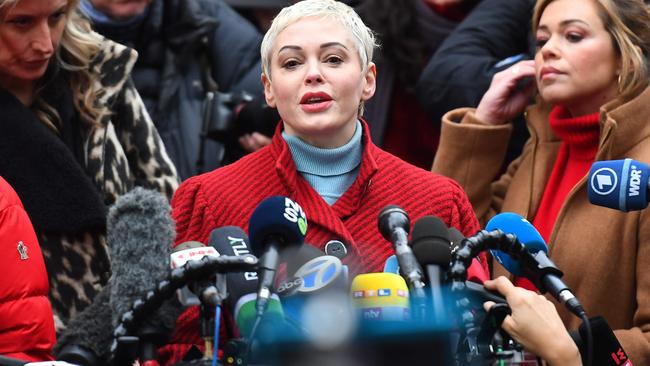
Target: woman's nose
<point>314,75</point>
<point>549,49</point>
<point>42,39</point>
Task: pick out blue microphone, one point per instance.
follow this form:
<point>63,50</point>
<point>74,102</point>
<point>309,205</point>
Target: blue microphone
<point>619,184</point>
<point>509,222</point>
<point>535,264</point>
<point>277,223</point>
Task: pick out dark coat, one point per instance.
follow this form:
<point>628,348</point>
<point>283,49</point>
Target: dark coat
<point>461,70</point>
<point>173,41</point>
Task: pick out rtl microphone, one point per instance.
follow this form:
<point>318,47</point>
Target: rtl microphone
<point>380,297</point>
<point>276,223</point>
<point>394,226</point>
<point>430,243</point>
<point>534,264</point>
<point>619,184</point>
<point>183,253</point>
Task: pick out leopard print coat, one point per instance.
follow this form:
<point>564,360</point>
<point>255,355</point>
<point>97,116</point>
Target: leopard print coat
<point>124,150</point>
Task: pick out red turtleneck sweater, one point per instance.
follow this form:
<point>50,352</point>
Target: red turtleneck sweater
<point>579,137</point>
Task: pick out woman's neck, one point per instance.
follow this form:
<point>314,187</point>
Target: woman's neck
<point>21,89</point>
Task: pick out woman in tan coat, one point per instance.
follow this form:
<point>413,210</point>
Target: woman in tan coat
<point>591,71</point>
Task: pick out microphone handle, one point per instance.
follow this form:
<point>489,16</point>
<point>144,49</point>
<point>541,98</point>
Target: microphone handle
<point>437,308</point>
<point>266,274</point>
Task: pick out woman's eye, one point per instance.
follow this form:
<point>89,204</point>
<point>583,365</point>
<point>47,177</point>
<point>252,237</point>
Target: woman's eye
<point>574,37</point>
<point>290,64</point>
<point>20,21</point>
<point>334,60</point>
<point>540,42</point>
<point>57,16</point>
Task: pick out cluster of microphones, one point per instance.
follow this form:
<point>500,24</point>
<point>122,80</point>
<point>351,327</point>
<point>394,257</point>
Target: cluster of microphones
<point>293,304</point>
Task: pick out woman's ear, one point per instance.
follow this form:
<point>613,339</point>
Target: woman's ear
<point>370,84</point>
<point>268,93</point>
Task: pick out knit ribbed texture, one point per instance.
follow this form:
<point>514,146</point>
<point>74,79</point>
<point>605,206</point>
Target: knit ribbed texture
<point>330,172</point>
<point>228,196</point>
<point>579,137</point>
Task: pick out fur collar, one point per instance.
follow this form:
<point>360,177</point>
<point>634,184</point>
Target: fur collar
<point>56,192</point>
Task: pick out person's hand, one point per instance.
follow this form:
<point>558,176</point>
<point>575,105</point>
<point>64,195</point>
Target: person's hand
<point>253,141</point>
<point>508,95</point>
<point>535,324</point>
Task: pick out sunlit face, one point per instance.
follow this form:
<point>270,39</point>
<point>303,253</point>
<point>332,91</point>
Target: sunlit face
<point>317,81</point>
<point>121,9</point>
<point>30,33</point>
<point>576,63</point>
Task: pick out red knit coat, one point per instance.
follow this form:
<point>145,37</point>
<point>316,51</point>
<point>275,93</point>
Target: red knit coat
<point>26,321</point>
<point>228,196</point>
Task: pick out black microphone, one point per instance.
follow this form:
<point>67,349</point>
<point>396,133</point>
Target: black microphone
<point>430,243</point>
<point>455,237</point>
<point>394,226</point>
<point>87,339</point>
<point>277,223</point>
<point>242,286</point>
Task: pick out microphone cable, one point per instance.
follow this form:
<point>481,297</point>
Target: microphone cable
<point>496,239</point>
<point>177,278</point>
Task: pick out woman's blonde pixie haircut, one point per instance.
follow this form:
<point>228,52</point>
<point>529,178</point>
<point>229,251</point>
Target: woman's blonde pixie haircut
<point>628,23</point>
<point>329,9</point>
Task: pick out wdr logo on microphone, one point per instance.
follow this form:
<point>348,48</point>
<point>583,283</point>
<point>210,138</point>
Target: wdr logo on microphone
<point>604,181</point>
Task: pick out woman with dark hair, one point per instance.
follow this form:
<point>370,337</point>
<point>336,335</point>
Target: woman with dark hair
<point>74,136</point>
<point>409,32</point>
<point>591,71</point>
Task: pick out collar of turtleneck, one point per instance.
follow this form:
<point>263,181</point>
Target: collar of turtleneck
<point>102,19</point>
<point>581,134</point>
<point>326,162</point>
<point>329,171</point>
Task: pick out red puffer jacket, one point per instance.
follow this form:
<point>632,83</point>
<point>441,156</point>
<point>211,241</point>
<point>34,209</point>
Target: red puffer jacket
<point>26,323</point>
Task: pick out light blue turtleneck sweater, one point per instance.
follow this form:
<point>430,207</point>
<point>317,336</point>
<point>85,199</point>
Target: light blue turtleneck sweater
<point>329,171</point>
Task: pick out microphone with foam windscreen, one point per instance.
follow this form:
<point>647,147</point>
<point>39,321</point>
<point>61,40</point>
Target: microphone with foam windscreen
<point>534,264</point>
<point>276,223</point>
<point>394,226</point>
<point>380,297</point>
<point>140,232</point>
<point>619,184</point>
<point>430,243</point>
